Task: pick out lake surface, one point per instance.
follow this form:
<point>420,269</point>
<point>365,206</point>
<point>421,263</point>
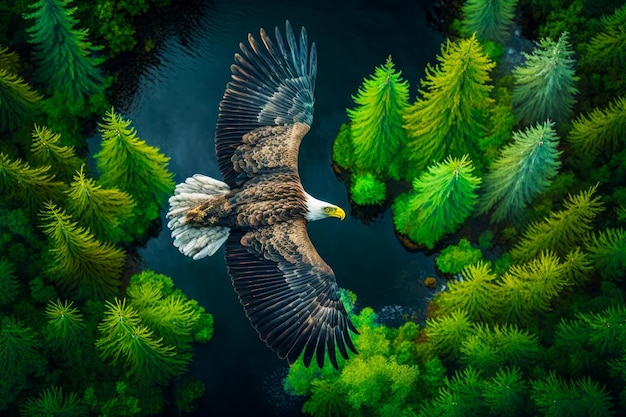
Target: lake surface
<point>176,108</point>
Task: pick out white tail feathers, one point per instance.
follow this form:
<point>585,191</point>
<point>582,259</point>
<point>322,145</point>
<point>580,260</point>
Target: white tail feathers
<point>196,242</point>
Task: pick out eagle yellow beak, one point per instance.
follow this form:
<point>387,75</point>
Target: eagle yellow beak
<point>337,212</point>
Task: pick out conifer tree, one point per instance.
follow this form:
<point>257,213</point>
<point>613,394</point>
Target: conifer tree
<point>31,187</point>
<point>473,294</point>
<point>524,169</point>
<point>62,52</point>
<point>18,101</point>
<point>64,327</point>
<point>528,288</point>
<point>601,131</point>
<point>449,118</point>
<point>78,260</point>
<point>607,252</point>
<point>562,230</point>
<point>489,19</point>
<point>608,48</point>
<point>129,164</point>
<point>52,402</point>
<point>9,60</point>
<point>544,86</point>
<point>505,393</point>
<point>442,199</point>
<point>101,210</point>
<point>446,333</point>
<point>460,396</point>
<point>127,341</point>
<point>48,150</point>
<point>376,123</point>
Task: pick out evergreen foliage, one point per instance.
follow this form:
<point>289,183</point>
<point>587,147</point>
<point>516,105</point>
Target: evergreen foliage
<point>129,164</point>
<point>607,252</point>
<point>562,230</point>
<point>376,123</point>
<point>367,189</point>
<point>442,199</point>
<point>18,101</point>
<point>524,169</point>
<point>9,284</point>
<point>62,52</point>
<point>79,261</point>
<point>28,187</point>
<point>601,131</point>
<point>101,210</point>
<point>343,149</point>
<point>555,397</point>
<point>52,402</point>
<point>608,48</point>
<point>449,118</point>
<point>127,341</point>
<point>46,149</point>
<point>527,289</point>
<point>460,396</point>
<point>489,19</point>
<point>544,86</point>
<point>9,60</point>
<point>447,332</point>
<point>473,294</point>
<point>64,327</point>
<point>505,394</point>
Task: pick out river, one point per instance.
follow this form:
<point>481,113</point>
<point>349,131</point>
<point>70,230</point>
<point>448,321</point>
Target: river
<point>175,108</point>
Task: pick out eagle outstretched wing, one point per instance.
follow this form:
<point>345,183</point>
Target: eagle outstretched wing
<point>288,292</point>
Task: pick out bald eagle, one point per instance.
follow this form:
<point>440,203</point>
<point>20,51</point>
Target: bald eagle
<point>260,210</point>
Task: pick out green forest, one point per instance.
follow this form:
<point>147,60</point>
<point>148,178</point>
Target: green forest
<point>512,171</point>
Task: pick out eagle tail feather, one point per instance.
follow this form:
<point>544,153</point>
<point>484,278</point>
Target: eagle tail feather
<point>196,242</point>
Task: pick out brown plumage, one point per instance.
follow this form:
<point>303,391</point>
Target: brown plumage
<point>260,211</point>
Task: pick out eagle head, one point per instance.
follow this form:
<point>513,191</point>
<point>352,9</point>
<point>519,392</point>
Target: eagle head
<point>318,209</point>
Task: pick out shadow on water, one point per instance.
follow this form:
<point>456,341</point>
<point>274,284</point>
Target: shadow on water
<point>175,108</point>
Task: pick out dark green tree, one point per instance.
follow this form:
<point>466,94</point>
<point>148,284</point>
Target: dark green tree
<point>449,118</point>
<point>26,186</point>
<point>129,164</point>
<point>607,252</point>
<point>489,19</point>
<point>563,230</point>
<point>461,395</point>
<point>447,332</point>
<point>18,101</point>
<point>544,86</point>
<point>608,48</point>
<point>126,340</point>
<point>78,260</point>
<point>47,149</point>
<point>52,402</point>
<point>376,123</point>
<point>64,328</point>
<point>442,199</point>
<point>601,131</point>
<point>63,54</point>
<point>524,169</point>
<point>101,210</point>
<point>505,393</point>
<point>9,284</point>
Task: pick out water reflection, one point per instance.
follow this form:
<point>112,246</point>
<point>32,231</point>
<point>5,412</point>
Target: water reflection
<point>176,109</point>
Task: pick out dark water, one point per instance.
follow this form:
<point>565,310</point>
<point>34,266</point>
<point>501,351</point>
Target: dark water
<point>176,109</point>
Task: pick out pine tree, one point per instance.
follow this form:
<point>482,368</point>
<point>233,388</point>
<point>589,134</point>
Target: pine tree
<point>526,289</point>
<point>449,118</point>
<point>47,150</point>
<point>460,396</point>
<point>9,60</point>
<point>607,252</point>
<point>129,164</point>
<point>30,187</point>
<point>18,101</point>
<point>489,19</point>
<point>127,341</point>
<point>608,48</point>
<point>101,210</point>
<point>376,122</point>
<point>52,402</point>
<point>442,199</point>
<point>601,131</point>
<point>78,260</point>
<point>473,294</point>
<point>562,230</point>
<point>505,394</point>
<point>64,328</point>
<point>62,53</point>
<point>544,86</point>
<point>524,169</point>
<point>9,284</point>
<point>446,333</point>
